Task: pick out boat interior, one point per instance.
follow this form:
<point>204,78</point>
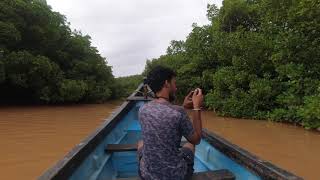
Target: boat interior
<point>116,157</point>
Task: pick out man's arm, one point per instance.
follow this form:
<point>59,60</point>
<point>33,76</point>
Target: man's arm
<point>197,99</point>
<point>195,138</point>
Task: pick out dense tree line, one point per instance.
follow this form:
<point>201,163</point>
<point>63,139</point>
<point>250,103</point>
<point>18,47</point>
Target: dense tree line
<point>256,59</point>
<point>43,61</point>
<point>127,85</point>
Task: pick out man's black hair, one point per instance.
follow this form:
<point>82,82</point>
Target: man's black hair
<point>157,77</point>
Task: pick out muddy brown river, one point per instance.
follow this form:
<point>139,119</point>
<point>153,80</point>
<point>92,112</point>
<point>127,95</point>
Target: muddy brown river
<point>33,138</point>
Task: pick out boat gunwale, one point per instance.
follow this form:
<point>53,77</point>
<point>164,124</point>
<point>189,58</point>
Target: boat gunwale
<point>64,167</point>
<point>258,166</point>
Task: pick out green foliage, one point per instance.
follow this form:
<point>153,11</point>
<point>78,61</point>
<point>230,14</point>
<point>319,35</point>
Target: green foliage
<point>310,112</point>
<point>98,91</point>
<point>237,13</point>
<point>9,35</point>
<point>34,74</point>
<point>126,85</point>
<point>43,61</point>
<point>25,70</point>
<point>212,12</point>
<point>72,90</point>
<point>256,59</point>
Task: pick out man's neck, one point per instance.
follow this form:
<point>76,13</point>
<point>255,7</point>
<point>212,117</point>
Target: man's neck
<point>162,96</point>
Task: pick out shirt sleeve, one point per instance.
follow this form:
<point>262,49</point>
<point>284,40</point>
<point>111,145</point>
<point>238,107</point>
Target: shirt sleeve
<point>186,126</point>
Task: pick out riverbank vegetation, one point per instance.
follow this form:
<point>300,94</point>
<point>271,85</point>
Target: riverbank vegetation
<point>256,59</point>
<point>43,61</point>
<point>126,85</point>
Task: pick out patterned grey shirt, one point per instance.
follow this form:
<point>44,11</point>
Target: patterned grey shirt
<point>163,125</point>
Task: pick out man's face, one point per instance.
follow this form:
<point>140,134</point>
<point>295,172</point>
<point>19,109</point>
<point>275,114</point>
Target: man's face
<point>173,85</point>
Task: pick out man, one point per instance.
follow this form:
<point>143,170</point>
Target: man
<point>163,125</point>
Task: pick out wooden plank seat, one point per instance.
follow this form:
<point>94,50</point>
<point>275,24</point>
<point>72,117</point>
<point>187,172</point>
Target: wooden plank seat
<point>127,147</point>
<point>222,174</point>
<point>120,147</point>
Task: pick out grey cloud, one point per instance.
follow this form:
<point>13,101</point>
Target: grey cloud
<point>128,32</point>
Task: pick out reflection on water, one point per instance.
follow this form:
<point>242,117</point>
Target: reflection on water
<point>287,146</point>
<point>32,139</point>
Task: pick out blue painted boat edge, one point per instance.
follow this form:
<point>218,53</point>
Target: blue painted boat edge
<point>216,160</point>
<point>262,168</point>
<point>64,168</point>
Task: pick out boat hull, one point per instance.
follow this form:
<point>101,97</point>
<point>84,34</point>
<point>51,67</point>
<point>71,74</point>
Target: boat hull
<point>89,159</point>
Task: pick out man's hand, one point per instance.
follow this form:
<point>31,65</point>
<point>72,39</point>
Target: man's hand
<point>197,98</point>
<point>187,103</point>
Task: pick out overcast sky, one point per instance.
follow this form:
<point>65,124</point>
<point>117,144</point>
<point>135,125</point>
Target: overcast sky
<point>128,32</point>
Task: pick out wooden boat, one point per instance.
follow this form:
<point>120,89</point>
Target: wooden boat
<point>110,153</point>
